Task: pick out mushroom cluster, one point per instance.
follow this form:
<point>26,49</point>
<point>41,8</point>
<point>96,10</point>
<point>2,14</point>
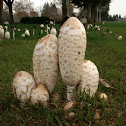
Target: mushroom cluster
<point>46,71</point>
<point>51,55</point>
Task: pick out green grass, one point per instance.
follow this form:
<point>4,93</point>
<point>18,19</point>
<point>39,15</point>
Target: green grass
<point>106,52</point>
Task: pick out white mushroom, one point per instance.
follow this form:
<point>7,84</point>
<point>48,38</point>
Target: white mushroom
<point>6,28</point>
<point>45,62</point>
<point>41,27</point>
<point>72,47</point>
<point>119,37</point>
<point>22,35</point>
<point>18,30</point>
<point>90,78</point>
<point>7,34</point>
<point>14,30</point>
<point>1,33</point>
<point>40,95</point>
<point>23,84</point>
<point>27,33</point>
<point>51,23</point>
<point>103,96</point>
<point>53,31</point>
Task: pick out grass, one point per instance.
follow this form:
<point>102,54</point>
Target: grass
<point>106,52</point>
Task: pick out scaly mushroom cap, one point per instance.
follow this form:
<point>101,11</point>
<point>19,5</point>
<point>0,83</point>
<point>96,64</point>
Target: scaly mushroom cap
<point>7,34</point>
<point>90,78</point>
<point>40,95</point>
<point>45,62</point>
<point>23,84</point>
<point>72,47</point>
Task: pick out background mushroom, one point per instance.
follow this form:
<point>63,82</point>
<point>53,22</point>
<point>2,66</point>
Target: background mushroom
<point>23,84</point>
<point>27,33</point>
<point>45,62</point>
<point>72,47</point>
<point>53,31</point>
<point>1,33</point>
<point>90,78</point>
<point>7,34</point>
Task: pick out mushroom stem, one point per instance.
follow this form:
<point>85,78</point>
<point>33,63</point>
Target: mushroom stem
<point>70,90</point>
<point>41,31</point>
<point>33,31</point>
<point>13,34</point>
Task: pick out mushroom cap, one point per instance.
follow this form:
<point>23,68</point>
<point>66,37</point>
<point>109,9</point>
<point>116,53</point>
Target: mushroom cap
<point>45,62</point>
<point>6,23</point>
<point>119,37</point>
<point>23,84</point>
<point>27,32</point>
<point>90,78</point>
<point>41,26</point>
<point>53,31</point>
<point>71,47</point>
<point>69,105</point>
<point>103,95</point>
<point>51,23</point>
<point>23,35</point>
<point>7,34</point>
<point>40,95</point>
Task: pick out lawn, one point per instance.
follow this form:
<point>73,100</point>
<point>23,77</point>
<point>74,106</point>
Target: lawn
<point>106,51</point>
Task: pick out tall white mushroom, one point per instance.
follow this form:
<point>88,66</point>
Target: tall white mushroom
<point>7,34</point>
<point>14,30</point>
<point>41,27</point>
<point>34,27</point>
<point>72,47</point>
<point>23,83</point>
<point>45,62</point>
<point>40,95</point>
<point>90,78</point>
<point>1,33</point>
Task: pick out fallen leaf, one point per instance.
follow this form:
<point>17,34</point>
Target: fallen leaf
<point>106,84</point>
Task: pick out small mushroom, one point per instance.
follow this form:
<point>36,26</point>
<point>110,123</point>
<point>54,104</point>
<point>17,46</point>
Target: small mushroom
<point>90,78</point>
<point>40,95</point>
<point>119,37</point>
<point>27,33</point>
<point>22,35</point>
<point>70,115</point>
<point>23,84</point>
<point>1,33</point>
<point>103,96</point>
<point>69,105</point>
<point>7,34</point>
